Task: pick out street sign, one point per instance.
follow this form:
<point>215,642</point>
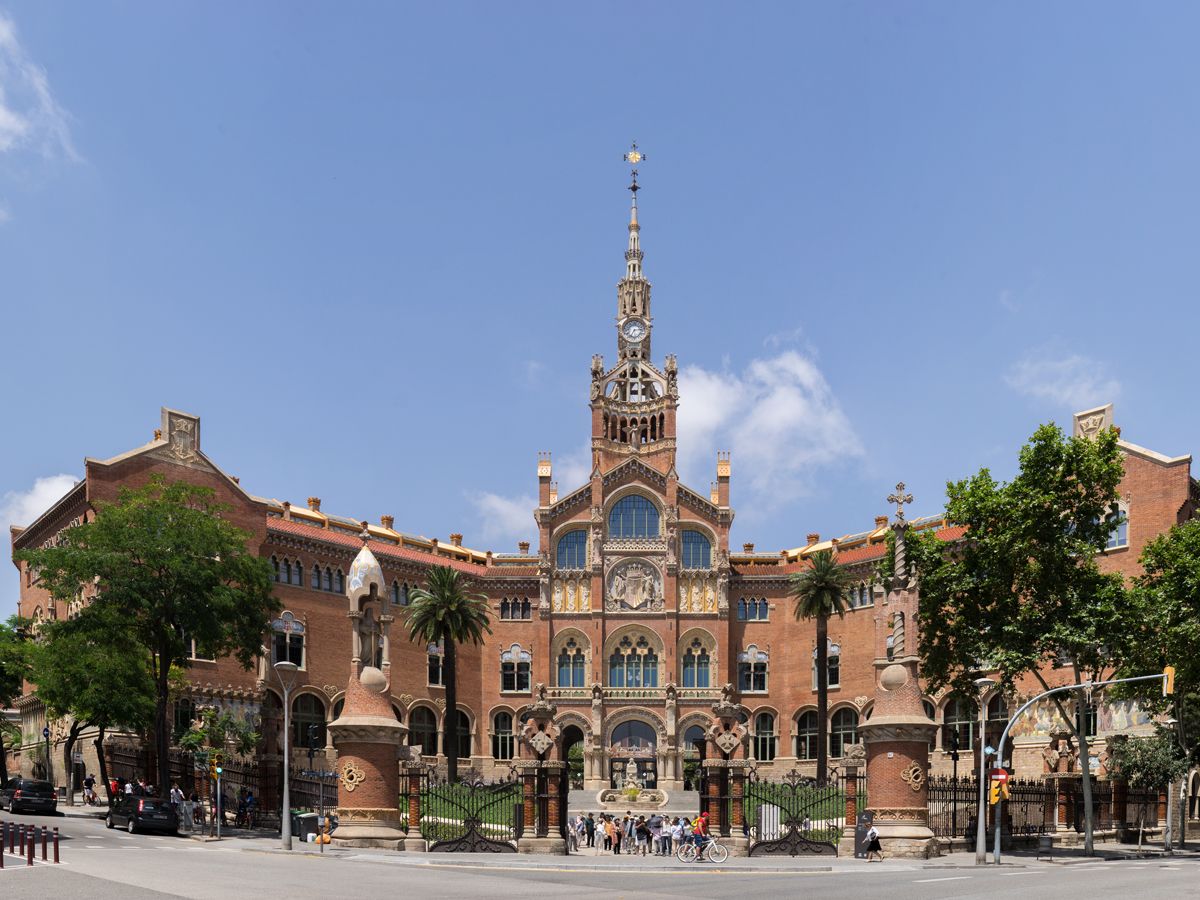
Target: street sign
<point>77,756</point>
<point>999,775</point>
<point>45,732</point>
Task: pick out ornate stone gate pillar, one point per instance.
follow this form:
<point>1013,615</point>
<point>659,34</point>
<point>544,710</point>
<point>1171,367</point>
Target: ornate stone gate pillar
<point>367,736</point>
<point>898,733</point>
<point>725,767</point>
<point>543,778</point>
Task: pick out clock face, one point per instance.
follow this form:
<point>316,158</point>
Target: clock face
<point>634,330</point>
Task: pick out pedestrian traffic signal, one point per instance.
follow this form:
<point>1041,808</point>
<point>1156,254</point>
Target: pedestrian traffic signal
<point>997,791</point>
<point>213,770</point>
<point>1168,681</point>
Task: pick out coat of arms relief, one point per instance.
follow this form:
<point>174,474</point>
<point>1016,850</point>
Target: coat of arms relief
<point>634,584</point>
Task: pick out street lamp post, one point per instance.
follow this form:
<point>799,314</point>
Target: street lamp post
<point>287,676</point>
<point>982,684</point>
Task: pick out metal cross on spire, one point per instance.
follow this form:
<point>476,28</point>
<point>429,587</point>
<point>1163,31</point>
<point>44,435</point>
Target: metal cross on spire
<point>633,157</point>
<point>900,498</point>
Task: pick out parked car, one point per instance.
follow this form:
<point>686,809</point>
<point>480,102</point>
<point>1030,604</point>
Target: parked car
<point>142,814</point>
<point>27,795</point>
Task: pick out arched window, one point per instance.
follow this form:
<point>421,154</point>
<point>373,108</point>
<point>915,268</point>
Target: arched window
<point>960,719</point>
<point>339,582</point>
<point>843,732</point>
<point>633,664</point>
<point>1118,522</point>
<point>752,670</point>
<point>315,583</point>
<point>752,609</point>
<point>287,633</point>
<point>287,571</point>
<point>764,737</point>
<point>422,731</point>
<point>833,658</point>
<point>694,741</point>
<point>435,664</point>
<point>634,735</point>
<point>184,714</point>
<point>308,710</point>
<point>327,579</point>
<point>502,736</point>
<point>514,669</point>
<point>742,609</point>
<point>404,594</point>
<point>298,574</point>
<point>633,517</point>
<point>806,735</point>
<point>571,665</point>
<point>505,611</point>
<point>695,664</point>
<point>275,567</point>
<point>526,609</point>
<point>697,551</point>
<point>464,734</point>
<point>395,593</point>
<point>572,550</point>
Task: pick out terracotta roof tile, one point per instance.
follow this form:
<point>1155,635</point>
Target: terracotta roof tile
<point>379,548</point>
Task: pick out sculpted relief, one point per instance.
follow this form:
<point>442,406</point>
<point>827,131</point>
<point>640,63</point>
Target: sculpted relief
<point>572,595</point>
<point>635,585</point>
<point>698,594</point>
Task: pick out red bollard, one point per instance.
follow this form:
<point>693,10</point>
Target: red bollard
<point>21,852</point>
<point>29,859</point>
<point>56,844</point>
<point>45,837</point>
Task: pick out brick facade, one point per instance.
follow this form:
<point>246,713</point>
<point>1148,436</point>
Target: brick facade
<point>655,591</point>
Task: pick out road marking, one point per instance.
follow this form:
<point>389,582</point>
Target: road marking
<point>93,847</point>
<point>932,880</point>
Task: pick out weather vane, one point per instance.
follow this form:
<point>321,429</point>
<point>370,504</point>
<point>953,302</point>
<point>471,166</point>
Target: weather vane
<point>633,157</point>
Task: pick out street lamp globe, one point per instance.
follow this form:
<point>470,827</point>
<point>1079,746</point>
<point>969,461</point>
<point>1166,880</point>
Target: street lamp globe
<point>287,672</point>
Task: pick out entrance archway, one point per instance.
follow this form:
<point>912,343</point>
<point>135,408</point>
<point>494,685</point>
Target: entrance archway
<point>694,744</point>
<point>572,745</point>
<point>633,755</point>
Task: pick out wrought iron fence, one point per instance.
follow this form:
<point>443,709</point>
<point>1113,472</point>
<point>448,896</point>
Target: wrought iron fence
<point>795,815</point>
<point>1030,806</point>
<point>1102,806</point>
<point>952,806</point>
<point>1141,808</point>
<point>471,814</point>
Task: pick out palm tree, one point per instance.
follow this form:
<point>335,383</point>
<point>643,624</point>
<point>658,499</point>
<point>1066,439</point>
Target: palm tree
<point>819,592</point>
<point>445,612</point>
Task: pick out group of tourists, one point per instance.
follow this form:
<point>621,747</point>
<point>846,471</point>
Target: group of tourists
<point>638,835</point>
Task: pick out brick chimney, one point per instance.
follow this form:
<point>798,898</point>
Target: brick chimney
<point>813,538</point>
<point>748,548</point>
<point>287,510</point>
<point>523,548</point>
<point>387,521</point>
<point>314,503</point>
<point>456,539</point>
<point>881,521</point>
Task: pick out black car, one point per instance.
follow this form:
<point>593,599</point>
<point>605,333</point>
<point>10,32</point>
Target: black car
<point>27,795</point>
<point>142,814</point>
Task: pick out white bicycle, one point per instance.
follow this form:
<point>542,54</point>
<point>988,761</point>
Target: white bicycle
<point>709,849</point>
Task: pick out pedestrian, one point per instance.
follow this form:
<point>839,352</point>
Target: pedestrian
<point>873,845</point>
<point>655,824</point>
<point>606,831</point>
<point>614,831</point>
<point>186,811</point>
<point>629,838</point>
<point>668,834</point>
<point>641,833</point>
<point>590,827</point>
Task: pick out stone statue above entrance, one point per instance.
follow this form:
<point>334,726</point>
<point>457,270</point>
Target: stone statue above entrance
<point>634,585</point>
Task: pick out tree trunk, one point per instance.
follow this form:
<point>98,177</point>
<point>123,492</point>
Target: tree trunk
<point>3,761</point>
<point>822,700</point>
<point>162,733</point>
<point>1085,776</point>
<point>450,730</point>
<point>103,764</point>
<point>68,764</point>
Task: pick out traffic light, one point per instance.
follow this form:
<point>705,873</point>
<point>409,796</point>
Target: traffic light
<point>994,793</point>
<point>212,769</point>
<point>1168,681</point>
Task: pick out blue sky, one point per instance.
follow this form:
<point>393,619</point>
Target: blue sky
<point>374,246</point>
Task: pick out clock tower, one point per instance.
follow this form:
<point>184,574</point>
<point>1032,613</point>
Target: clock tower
<point>634,403</point>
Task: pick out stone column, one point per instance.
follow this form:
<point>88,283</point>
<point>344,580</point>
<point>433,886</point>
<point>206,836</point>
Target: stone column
<point>367,736</point>
<point>898,733</point>
<point>854,760</point>
<point>541,755</point>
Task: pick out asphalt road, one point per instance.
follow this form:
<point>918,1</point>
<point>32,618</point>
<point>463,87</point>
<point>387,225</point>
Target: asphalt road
<point>99,864</point>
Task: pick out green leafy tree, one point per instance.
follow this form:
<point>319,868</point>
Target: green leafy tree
<point>217,729</point>
<point>14,667</point>
<point>1167,630</point>
<point>445,612</point>
<point>85,672</point>
<point>820,592</point>
<point>173,571</point>
<point>1022,591</point>
<point>1149,763</point>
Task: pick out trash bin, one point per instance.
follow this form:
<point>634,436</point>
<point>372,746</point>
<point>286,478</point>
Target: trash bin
<point>304,824</point>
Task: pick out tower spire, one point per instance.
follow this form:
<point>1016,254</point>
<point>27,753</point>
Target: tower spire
<point>633,253</point>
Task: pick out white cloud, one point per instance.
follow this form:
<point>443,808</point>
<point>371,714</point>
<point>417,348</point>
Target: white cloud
<point>505,520</point>
<point>30,117</point>
<point>22,508</point>
<point>1075,381</point>
<point>780,419</point>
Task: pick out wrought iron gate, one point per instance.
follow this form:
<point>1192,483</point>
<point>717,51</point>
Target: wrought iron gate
<point>471,815</point>
<point>794,816</point>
